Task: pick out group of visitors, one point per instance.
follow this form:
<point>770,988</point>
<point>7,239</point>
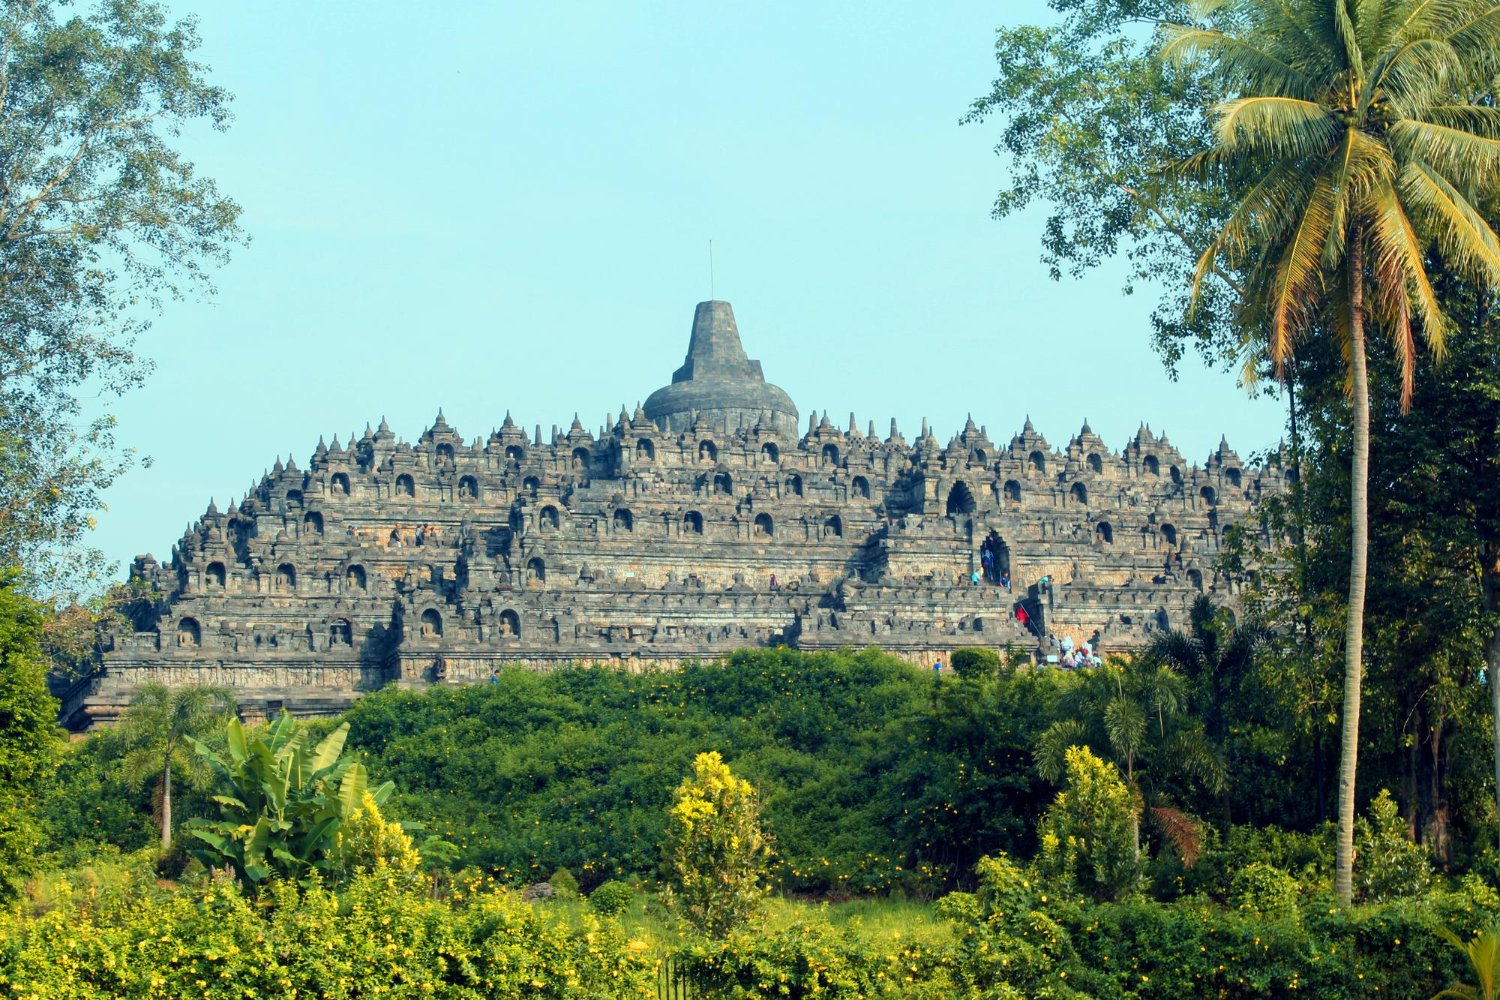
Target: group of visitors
<point>1071,656</point>
<point>993,560</point>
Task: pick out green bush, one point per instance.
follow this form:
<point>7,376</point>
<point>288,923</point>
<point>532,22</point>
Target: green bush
<point>564,884</point>
<point>1088,836</point>
<point>1264,890</point>
<point>1388,865</point>
<point>611,898</point>
<point>715,853</point>
<point>815,959</point>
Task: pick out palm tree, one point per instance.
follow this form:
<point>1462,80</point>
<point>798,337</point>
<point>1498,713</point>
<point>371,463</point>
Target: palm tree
<point>1134,713</point>
<point>1355,157</point>
<point>1216,659</point>
<point>1483,953</point>
<point>154,734</point>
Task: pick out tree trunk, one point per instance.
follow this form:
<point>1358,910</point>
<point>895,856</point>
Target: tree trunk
<point>1491,577</point>
<point>1359,525</point>
<point>166,806</point>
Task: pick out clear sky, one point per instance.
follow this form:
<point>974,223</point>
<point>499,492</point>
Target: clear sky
<point>492,207</point>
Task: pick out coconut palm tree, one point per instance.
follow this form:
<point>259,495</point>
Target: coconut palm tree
<point>154,733</point>
<point>1355,155</point>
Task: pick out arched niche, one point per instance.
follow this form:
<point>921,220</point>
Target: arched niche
<point>1012,491</point>
<point>286,577</point>
<point>294,498</point>
<point>189,633</point>
<point>834,527</point>
<point>1232,476</point>
<point>340,632</point>
<point>794,485</point>
<point>354,578</point>
<point>468,488</point>
<point>723,483</point>
<point>1037,461</point>
<point>1169,534</point>
<point>1209,494</point>
<point>510,624</point>
<point>645,450</point>
<point>530,484</point>
<point>764,526</point>
<point>515,454</point>
<point>312,523</point>
<point>1095,463</point>
<point>1195,578</point>
<point>405,486</point>
<point>624,520</point>
<point>692,523</point>
<point>1080,493</point>
<point>445,454</point>
<point>1152,465</point>
<point>548,519</point>
<point>830,454</point>
<point>1104,532</point>
<point>960,499</point>
<point>708,452</point>
<point>339,484</point>
<point>536,571</point>
<point>860,487</point>
<point>581,458</point>
<point>1176,475</point>
<point>769,453</point>
<point>431,624</point>
<point>214,575</point>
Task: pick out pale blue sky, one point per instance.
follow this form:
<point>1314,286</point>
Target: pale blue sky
<point>508,207</point>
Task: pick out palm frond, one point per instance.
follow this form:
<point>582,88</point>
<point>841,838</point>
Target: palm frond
<point>1180,830</point>
<point>1476,39</point>
<point>1279,126</point>
<point>1348,36</point>
<point>1234,57</point>
<point>1453,151</point>
<point>1413,76</point>
<point>1403,283</point>
<point>1464,236</point>
<point>1296,284</point>
<point>1050,753</point>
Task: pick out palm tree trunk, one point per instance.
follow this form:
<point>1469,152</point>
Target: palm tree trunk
<point>1359,525</point>
<point>166,806</point>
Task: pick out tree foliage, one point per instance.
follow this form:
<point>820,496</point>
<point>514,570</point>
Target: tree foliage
<point>29,742</point>
<point>101,219</point>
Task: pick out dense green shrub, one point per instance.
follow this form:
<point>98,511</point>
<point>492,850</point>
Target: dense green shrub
<point>564,884</point>
<point>1264,890</point>
<point>611,898</point>
<point>136,940</point>
<point>29,740</point>
<point>1387,864</point>
<point>814,958</point>
<point>872,776</point>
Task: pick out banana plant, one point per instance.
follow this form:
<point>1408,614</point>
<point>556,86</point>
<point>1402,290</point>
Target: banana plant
<point>281,803</point>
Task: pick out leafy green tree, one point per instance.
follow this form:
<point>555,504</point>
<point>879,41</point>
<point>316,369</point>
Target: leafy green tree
<point>1135,713</point>
<point>155,734</point>
<point>101,220</point>
<point>1089,834</point>
<point>1350,145</point>
<point>288,809</point>
<point>29,741</point>
<point>716,852</point>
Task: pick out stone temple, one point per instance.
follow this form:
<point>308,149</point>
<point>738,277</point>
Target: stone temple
<point>655,541</point>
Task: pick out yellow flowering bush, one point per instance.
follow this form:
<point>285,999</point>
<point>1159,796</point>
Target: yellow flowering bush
<point>716,851</point>
<point>376,937</point>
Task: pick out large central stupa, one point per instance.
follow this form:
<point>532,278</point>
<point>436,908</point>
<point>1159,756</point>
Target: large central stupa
<point>719,383</point>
